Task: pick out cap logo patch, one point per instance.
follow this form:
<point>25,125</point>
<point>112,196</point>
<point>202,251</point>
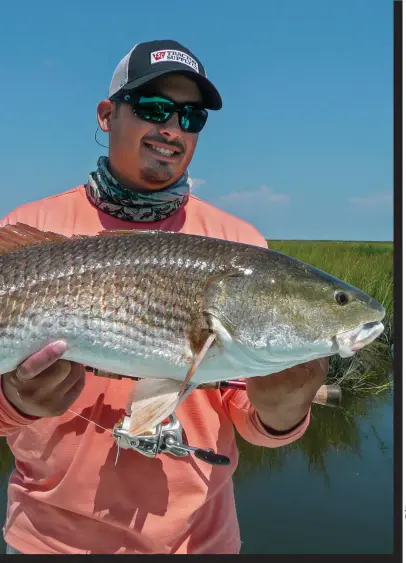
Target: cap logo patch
<point>175,56</point>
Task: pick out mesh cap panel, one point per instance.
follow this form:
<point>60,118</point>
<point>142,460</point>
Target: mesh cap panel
<point>120,76</point>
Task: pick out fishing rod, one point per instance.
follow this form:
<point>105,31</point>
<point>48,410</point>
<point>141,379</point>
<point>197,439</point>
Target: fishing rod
<point>327,395</point>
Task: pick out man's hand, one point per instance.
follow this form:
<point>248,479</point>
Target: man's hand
<point>44,385</point>
<point>283,399</point>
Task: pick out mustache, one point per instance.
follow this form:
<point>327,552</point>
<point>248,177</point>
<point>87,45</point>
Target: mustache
<point>160,139</point>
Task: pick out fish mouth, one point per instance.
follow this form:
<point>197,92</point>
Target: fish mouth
<point>350,341</point>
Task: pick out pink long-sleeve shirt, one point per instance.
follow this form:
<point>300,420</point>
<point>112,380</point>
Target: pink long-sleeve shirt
<point>67,496</point>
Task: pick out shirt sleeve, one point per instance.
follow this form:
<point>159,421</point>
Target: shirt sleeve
<point>9,219</point>
<point>249,426</point>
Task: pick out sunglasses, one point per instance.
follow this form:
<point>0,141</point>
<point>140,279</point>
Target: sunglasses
<point>158,109</point>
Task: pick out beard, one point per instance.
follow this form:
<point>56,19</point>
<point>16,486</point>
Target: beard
<point>157,173</point>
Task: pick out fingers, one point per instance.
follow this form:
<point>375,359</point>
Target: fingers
<point>69,390</point>
<point>41,360</point>
<point>44,385</point>
<point>48,394</point>
<point>74,392</point>
<point>75,376</point>
<point>48,379</point>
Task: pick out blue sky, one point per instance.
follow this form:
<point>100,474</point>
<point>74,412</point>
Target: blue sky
<point>303,146</point>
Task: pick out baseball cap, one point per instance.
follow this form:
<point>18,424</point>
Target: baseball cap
<point>149,60</point>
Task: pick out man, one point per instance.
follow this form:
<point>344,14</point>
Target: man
<point>66,494</point>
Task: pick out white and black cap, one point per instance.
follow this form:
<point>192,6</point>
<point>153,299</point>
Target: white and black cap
<point>147,61</point>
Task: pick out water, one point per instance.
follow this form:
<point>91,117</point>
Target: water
<point>331,492</point>
<point>323,499</point>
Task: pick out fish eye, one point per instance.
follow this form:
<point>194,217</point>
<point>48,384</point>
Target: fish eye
<point>341,297</point>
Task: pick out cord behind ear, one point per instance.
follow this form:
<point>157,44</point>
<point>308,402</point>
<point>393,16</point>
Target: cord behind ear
<point>95,138</point>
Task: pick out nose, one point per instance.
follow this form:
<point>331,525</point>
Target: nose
<point>171,129</point>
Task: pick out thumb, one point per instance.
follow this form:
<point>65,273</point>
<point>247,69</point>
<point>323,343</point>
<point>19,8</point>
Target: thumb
<point>41,360</point>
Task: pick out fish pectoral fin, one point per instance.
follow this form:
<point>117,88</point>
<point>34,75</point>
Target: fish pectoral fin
<point>151,401</point>
<point>13,237</point>
<point>198,358</point>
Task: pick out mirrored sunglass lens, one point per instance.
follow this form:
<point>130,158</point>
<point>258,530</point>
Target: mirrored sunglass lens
<point>193,119</point>
<point>155,109</point>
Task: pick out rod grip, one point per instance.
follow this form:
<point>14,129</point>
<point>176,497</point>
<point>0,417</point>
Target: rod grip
<point>329,396</point>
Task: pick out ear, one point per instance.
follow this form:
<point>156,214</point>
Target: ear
<point>104,113</point>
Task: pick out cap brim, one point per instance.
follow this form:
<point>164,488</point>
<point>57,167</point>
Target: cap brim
<point>211,97</point>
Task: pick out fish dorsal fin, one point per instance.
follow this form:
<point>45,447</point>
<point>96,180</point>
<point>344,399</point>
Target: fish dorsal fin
<point>14,237</point>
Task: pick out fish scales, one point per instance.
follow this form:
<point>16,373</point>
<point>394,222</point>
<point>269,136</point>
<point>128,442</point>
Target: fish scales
<point>142,293</point>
